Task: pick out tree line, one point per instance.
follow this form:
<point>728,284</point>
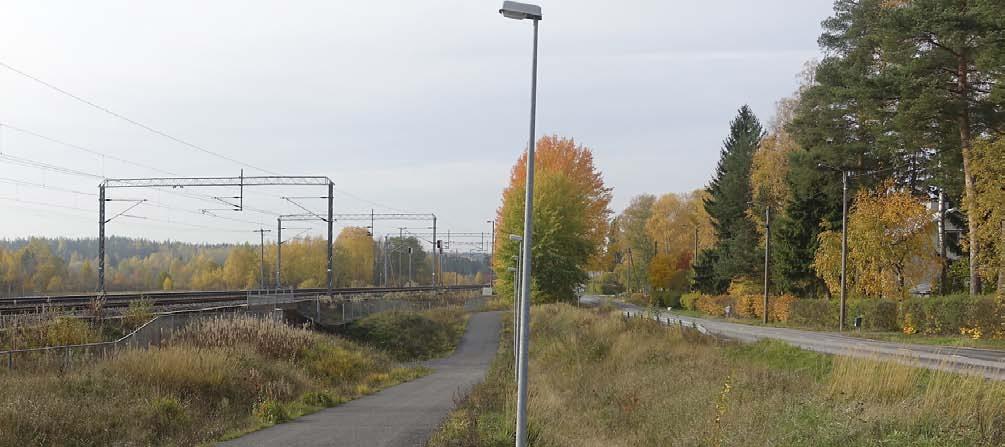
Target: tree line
<point>43,266</point>
<point>908,101</point>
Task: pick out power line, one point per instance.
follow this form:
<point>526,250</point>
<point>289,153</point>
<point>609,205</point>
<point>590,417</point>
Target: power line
<point>47,166</point>
<point>163,134</point>
<point>55,168</point>
<point>44,186</point>
<point>132,121</point>
<point>84,149</point>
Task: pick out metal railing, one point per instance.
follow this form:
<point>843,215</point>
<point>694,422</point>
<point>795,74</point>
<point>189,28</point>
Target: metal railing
<point>152,333</point>
<point>159,329</point>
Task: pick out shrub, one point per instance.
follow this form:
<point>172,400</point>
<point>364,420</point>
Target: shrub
<point>268,337</point>
<point>950,315</point>
<point>884,316</point>
<point>813,313</point>
<point>985,317</point>
<point>745,306</point>
<point>689,301</point>
<point>139,312</point>
<point>165,415</point>
<point>667,298</point>
<point>271,412</point>
<point>410,335</point>
<point>318,399</point>
<point>781,307</point>
<point>69,331</point>
<point>715,305</point>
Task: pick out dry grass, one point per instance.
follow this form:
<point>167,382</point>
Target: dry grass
<point>602,381</point>
<point>217,379</point>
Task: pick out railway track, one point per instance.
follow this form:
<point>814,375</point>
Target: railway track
<point>168,298</point>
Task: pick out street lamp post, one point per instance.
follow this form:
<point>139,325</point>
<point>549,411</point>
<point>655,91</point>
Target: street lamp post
<point>517,302</point>
<point>520,11</point>
<point>492,250</point>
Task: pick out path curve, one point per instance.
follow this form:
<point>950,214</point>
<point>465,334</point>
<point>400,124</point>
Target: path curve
<point>403,415</point>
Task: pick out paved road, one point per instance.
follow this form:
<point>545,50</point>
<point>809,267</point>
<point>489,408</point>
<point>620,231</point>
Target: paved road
<point>987,362</point>
<point>403,415</point>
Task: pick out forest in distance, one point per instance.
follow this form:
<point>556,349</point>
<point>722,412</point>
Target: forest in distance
<point>38,266</point>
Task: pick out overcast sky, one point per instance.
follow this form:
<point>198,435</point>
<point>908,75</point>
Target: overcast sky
<point>417,106</point>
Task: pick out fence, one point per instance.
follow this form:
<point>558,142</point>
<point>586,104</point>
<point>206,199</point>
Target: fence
<point>333,312</point>
<point>152,333</point>
<point>341,311</point>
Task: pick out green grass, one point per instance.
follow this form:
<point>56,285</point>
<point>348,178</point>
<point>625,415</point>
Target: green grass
<point>216,379</point>
<point>598,380</point>
<point>410,336</point>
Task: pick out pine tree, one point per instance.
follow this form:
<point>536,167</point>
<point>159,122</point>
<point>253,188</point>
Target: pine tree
<point>735,253</point>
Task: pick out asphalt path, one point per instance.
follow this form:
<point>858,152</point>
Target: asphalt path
<point>403,415</point>
<point>989,363</point>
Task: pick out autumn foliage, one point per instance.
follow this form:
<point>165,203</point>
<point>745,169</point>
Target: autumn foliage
<point>890,245</point>
<point>570,218</point>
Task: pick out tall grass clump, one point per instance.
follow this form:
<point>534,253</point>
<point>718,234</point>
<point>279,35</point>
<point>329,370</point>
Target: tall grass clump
<point>215,379</point>
<point>601,380</point>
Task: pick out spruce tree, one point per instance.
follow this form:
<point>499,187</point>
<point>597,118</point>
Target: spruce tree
<point>735,253</point>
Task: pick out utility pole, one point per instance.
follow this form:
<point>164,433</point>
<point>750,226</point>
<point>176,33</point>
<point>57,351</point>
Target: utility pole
<point>845,173</point>
<point>631,271</point>
<point>401,241</point>
<point>261,232</point>
<point>767,257</point>
<point>492,250</point>
<point>409,266</point>
<point>435,257</point>
<point>331,266</point>
<point>279,251</point>
<point>101,239</point>
<point>844,248</point>
<point>385,261</point>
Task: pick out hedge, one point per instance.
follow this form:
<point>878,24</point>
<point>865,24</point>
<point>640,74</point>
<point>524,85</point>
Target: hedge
<point>951,315</point>
<point>714,305</point>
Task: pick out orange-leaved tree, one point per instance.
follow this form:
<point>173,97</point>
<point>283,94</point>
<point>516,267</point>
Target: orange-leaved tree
<point>570,218</point>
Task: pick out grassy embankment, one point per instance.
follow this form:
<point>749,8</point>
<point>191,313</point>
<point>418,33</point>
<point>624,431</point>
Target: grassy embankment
<point>871,334</point>
<point>408,336</point>
<point>216,379</point>
<point>597,380</point>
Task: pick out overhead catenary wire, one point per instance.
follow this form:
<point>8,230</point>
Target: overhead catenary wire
<point>85,149</point>
<point>21,161</point>
<point>166,135</point>
<point>131,216</point>
<point>133,121</point>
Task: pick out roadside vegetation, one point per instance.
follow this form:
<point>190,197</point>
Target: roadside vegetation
<point>216,379</point>
<point>410,336</point>
<point>597,379</point>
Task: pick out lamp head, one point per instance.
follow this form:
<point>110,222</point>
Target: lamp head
<point>520,11</point>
